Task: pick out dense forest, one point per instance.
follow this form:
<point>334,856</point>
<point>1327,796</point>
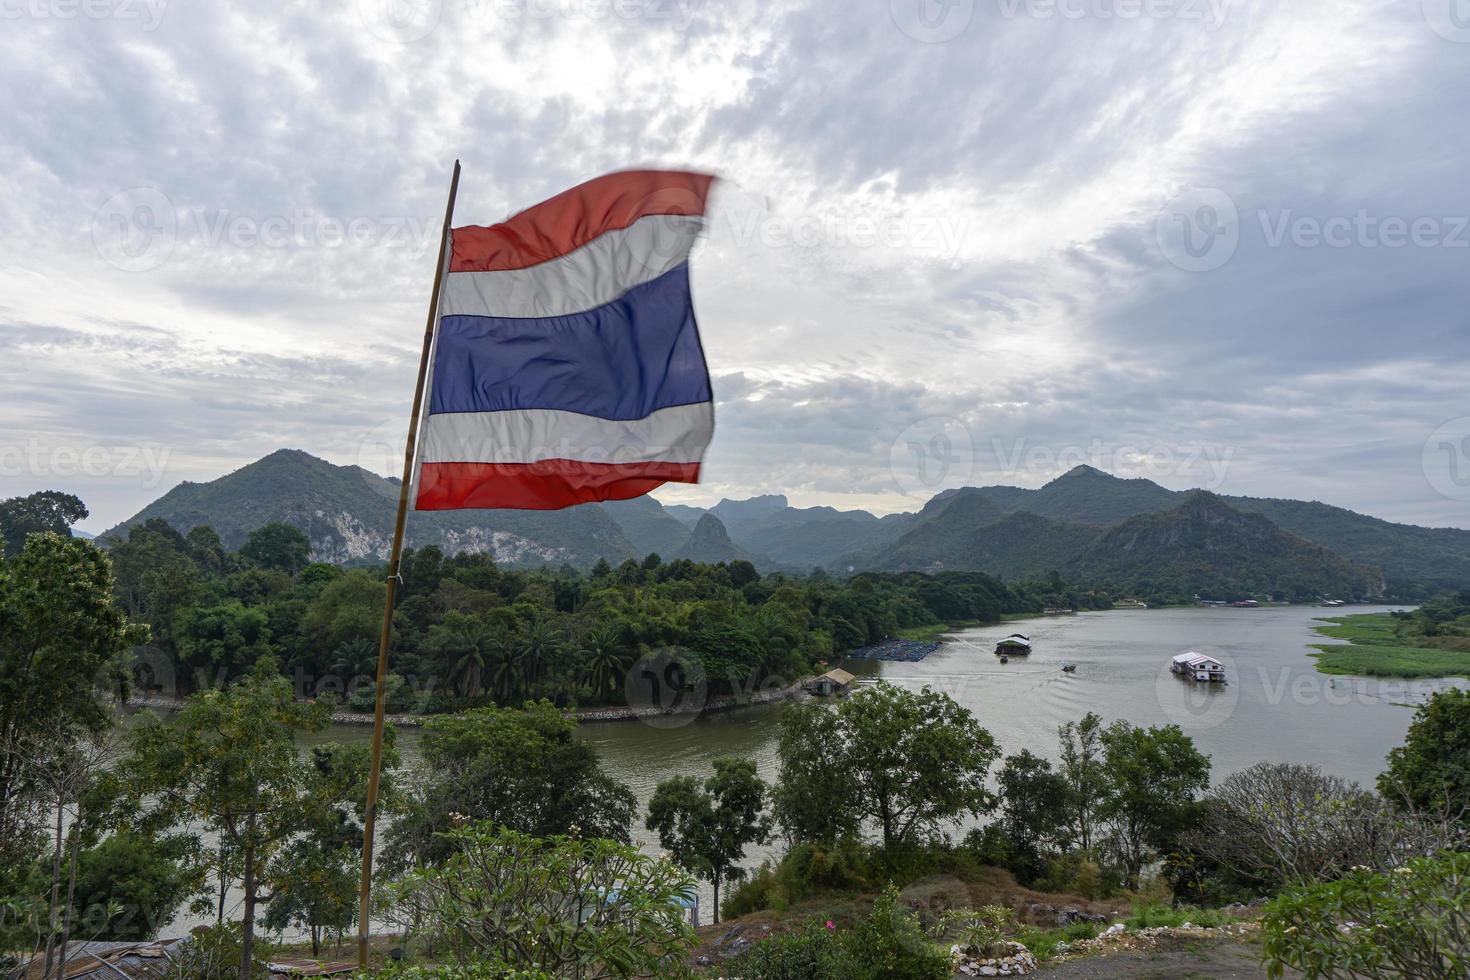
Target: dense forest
<point>467,632</point>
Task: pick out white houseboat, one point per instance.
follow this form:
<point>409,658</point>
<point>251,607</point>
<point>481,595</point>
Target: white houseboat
<point>1015,645</point>
<point>1199,667</point>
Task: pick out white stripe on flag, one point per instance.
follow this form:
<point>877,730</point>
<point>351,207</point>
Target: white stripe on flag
<point>673,435</point>
<point>597,273</point>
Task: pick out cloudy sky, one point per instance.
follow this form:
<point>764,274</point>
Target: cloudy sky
<point>1215,243</point>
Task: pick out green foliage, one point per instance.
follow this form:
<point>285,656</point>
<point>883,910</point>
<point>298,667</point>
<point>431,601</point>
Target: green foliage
<point>567,907</point>
<point>1412,921</point>
<point>214,953</point>
<point>1154,776</point>
<point>813,953</point>
<point>148,878</point>
<point>707,825</point>
<point>806,869</point>
<point>47,511</point>
<point>1390,645</point>
<point>981,930</point>
<point>1155,916</point>
<point>62,648</point>
<point>1044,943</point>
<point>1033,802</point>
<point>229,761</point>
<point>818,803</point>
<point>1431,770</point>
<point>525,769</point>
<point>474,971</point>
<point>279,546</point>
<point>886,944</point>
<point>907,761</point>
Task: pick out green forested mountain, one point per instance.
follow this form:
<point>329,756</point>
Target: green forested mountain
<point>1210,548</point>
<point>709,543</point>
<point>347,512</point>
<point>1084,523</point>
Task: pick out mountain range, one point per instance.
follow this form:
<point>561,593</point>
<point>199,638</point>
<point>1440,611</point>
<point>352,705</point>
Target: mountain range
<point>1087,525</point>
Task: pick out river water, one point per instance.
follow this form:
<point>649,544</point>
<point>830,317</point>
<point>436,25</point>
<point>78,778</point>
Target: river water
<point>1276,706</point>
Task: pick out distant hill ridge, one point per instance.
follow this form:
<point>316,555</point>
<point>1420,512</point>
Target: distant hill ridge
<point>1081,523</point>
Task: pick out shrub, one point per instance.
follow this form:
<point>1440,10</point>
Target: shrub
<point>478,971</point>
<point>1043,943</point>
<point>213,953</point>
<point>890,945</point>
<point>981,930</point>
<point>814,953</point>
<point>568,907</point>
<point>886,944</point>
<point>1154,916</point>
<point>1413,921</point>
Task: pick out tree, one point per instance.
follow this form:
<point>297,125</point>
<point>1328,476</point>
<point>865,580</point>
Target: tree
<point>1281,823</point>
<point>229,760</point>
<point>46,511</point>
<point>1431,770</point>
<point>1412,921</point>
<point>916,759</point>
<point>1154,775</point>
<point>525,769</point>
<point>62,648</point>
<point>815,797</point>
<point>1086,779</point>
<point>149,878</point>
<point>707,825</point>
<point>1033,802</point>
<point>571,907</point>
<point>278,545</point>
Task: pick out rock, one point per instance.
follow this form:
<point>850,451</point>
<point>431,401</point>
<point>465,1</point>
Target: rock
<point>989,971</point>
<point>1115,929</point>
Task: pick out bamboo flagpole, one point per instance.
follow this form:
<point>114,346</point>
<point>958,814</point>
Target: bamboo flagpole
<point>364,905</point>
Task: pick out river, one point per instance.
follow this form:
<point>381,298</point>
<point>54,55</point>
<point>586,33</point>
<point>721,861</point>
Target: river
<point>1276,706</point>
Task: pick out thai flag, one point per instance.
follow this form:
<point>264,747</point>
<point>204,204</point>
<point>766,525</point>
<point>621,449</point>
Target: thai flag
<point>566,364</point>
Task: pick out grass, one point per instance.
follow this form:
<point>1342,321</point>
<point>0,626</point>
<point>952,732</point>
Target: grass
<point>1157,916</point>
<point>1043,942</point>
<point>1374,649</point>
<point>934,631</point>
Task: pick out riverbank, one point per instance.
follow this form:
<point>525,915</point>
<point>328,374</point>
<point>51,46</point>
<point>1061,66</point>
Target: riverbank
<point>1375,649</point>
<point>582,715</point>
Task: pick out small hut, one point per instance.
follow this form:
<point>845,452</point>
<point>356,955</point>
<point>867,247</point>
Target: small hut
<point>835,681</point>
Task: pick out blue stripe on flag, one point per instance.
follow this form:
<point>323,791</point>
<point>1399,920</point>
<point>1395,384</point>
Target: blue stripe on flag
<point>623,360</point>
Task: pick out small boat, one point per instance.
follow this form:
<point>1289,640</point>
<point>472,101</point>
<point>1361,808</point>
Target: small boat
<point>1069,668</point>
<point>1017,644</point>
<point>1004,659</point>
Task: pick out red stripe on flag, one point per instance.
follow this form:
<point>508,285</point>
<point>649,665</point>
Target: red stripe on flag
<point>573,218</point>
<point>550,484</point>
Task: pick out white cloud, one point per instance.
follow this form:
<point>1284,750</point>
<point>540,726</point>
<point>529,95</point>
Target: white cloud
<point>907,231</point>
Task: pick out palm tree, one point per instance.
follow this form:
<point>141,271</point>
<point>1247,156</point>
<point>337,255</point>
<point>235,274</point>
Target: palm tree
<point>605,657</point>
<point>538,647</point>
<point>503,657</point>
<point>472,642</point>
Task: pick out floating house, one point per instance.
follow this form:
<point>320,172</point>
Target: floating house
<point>832,682</point>
<point>1198,667</point>
<point>1015,645</point>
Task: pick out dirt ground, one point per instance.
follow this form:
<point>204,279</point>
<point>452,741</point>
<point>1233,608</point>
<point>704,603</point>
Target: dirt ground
<point>1181,960</point>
